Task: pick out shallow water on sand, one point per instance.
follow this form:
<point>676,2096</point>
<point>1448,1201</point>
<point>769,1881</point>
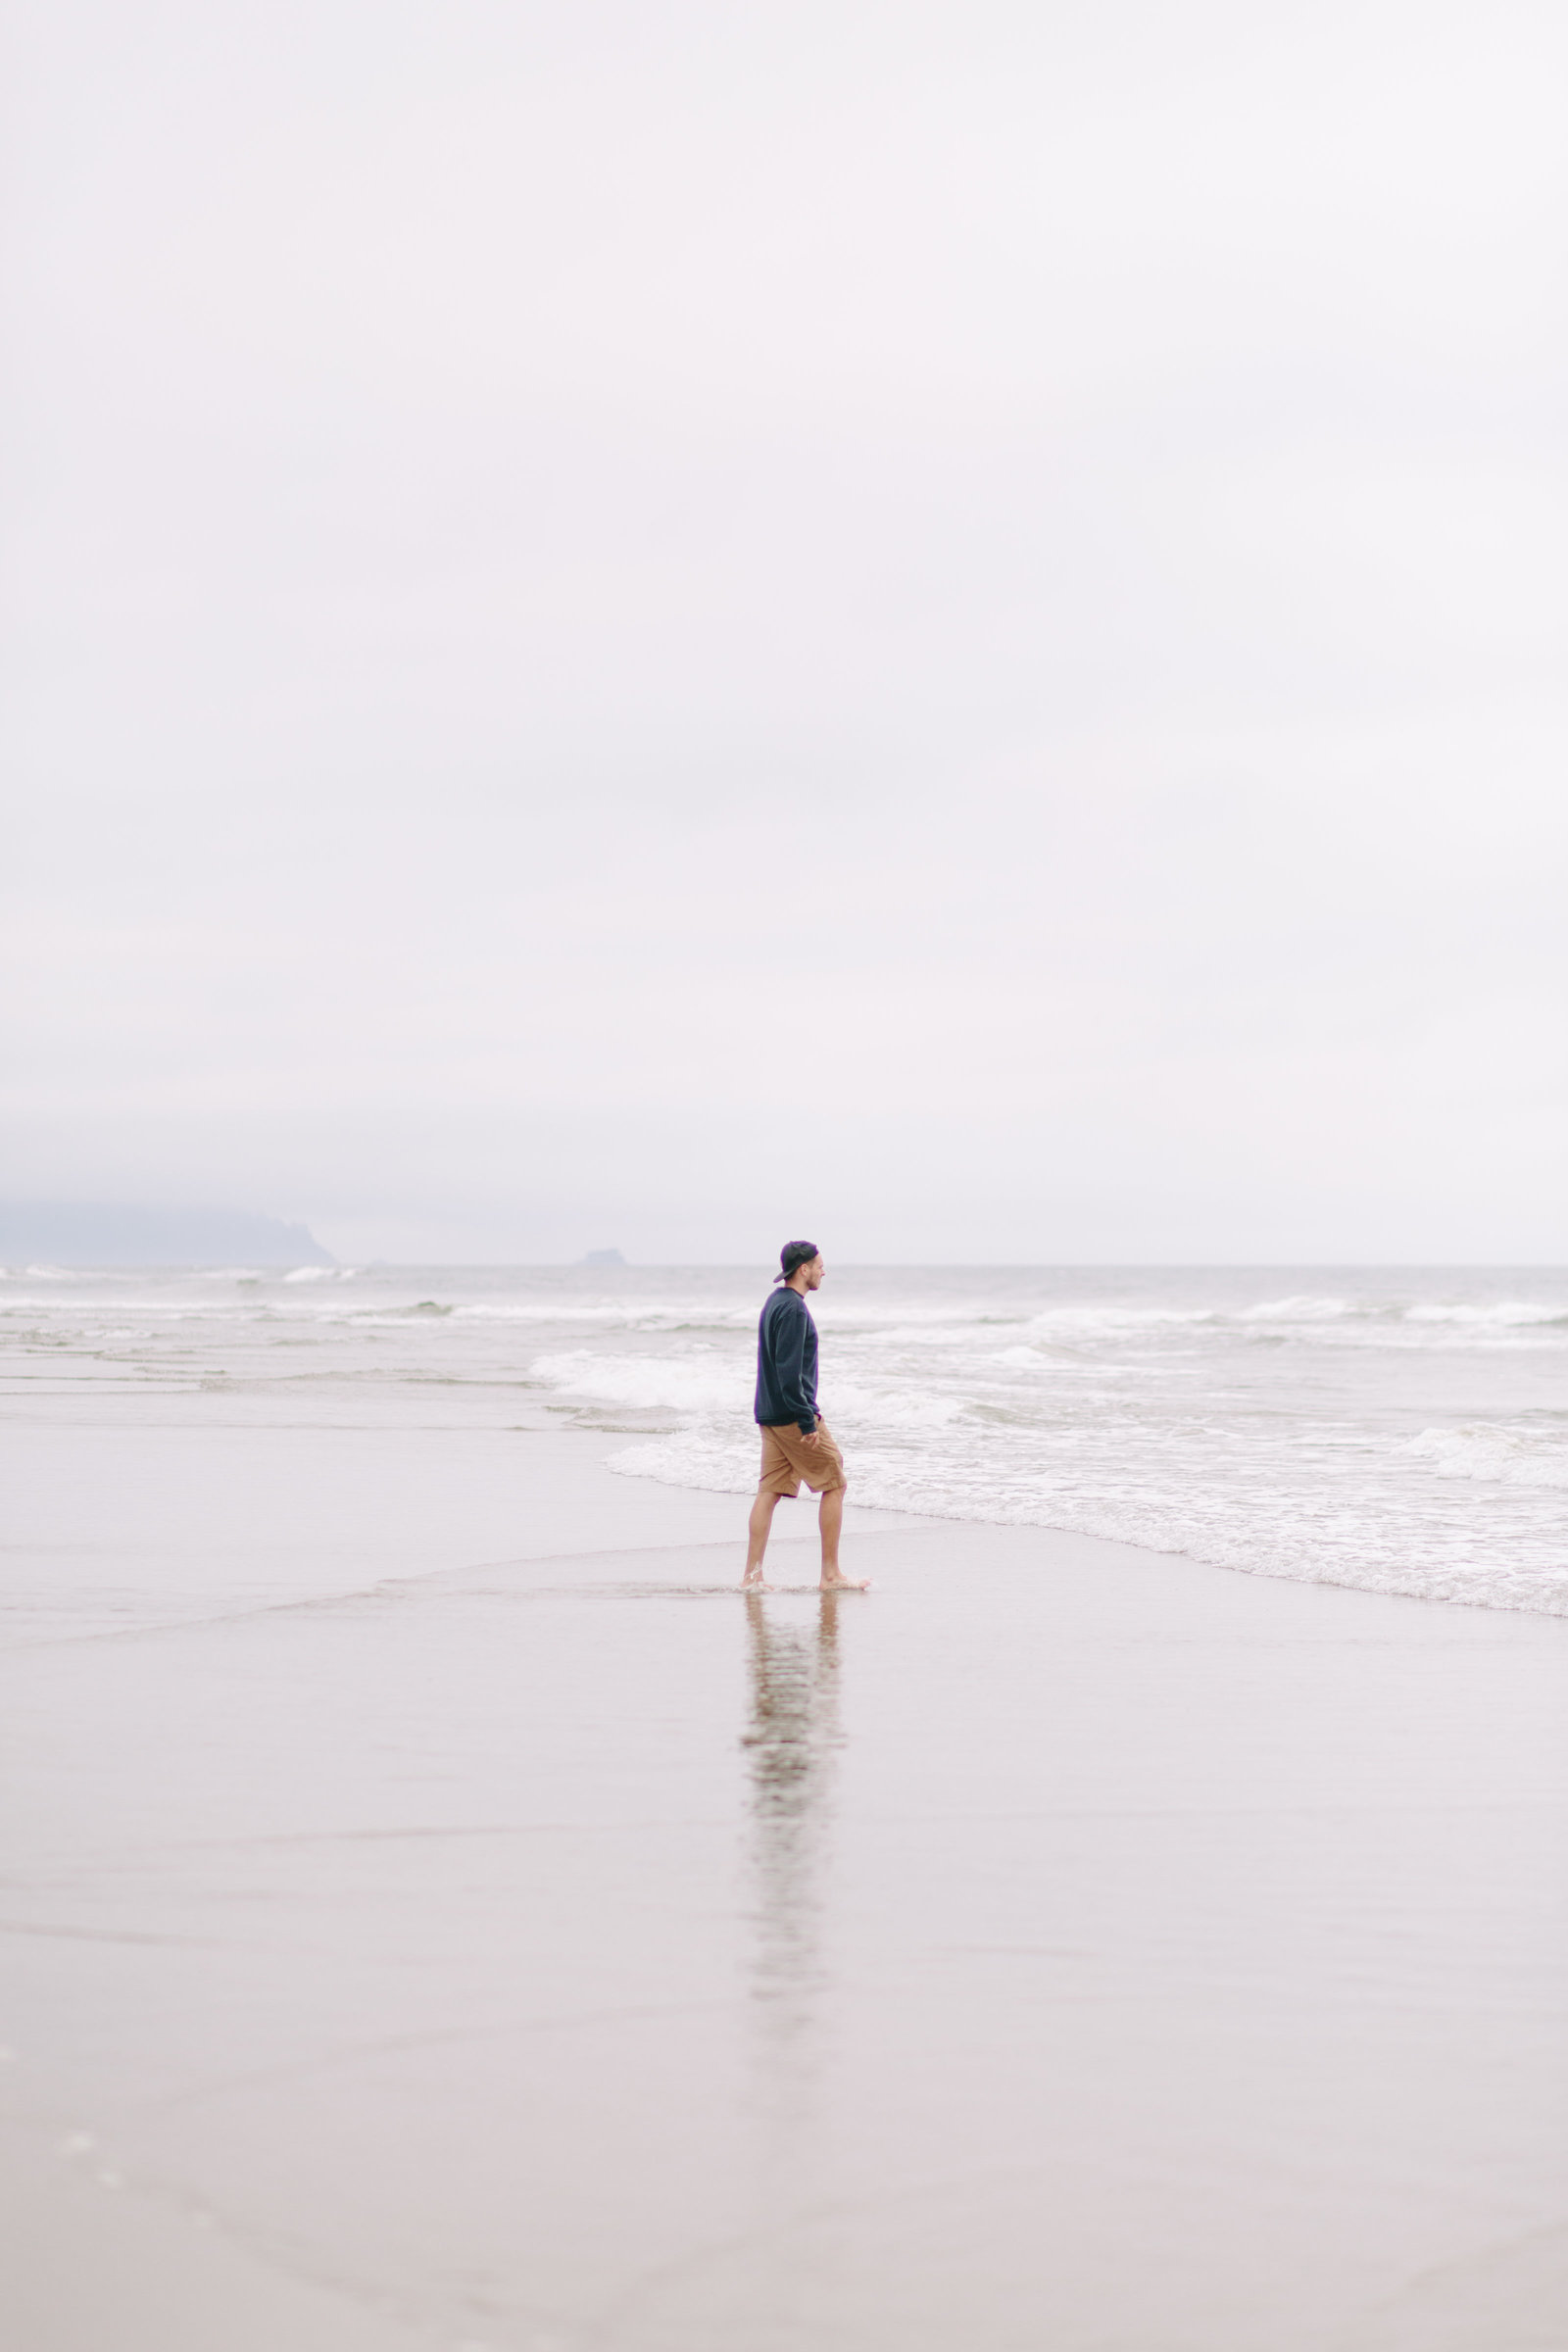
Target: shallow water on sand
<point>1400,1430</point>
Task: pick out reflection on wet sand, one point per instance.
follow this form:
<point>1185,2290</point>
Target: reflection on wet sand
<point>791,1747</point>
<point>791,1743</point>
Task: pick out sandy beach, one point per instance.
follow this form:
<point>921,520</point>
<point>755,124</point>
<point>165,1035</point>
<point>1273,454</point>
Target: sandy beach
<point>440,1912</point>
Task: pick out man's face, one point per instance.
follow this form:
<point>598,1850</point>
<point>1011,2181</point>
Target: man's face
<point>814,1273</point>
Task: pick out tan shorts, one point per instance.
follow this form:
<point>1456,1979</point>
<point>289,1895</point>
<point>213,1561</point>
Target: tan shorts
<point>787,1459</point>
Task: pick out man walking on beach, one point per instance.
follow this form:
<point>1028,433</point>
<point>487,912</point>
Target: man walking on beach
<point>796,1442</point>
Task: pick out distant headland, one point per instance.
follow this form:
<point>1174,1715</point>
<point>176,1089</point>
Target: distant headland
<point>56,1233</point>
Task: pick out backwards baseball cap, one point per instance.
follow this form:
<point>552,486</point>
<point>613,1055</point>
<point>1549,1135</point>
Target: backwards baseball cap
<point>795,1254</point>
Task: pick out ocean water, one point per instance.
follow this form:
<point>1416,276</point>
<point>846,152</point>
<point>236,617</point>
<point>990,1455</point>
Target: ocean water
<point>1404,1430</point>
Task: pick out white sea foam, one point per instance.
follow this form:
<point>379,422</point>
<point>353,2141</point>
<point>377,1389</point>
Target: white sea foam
<point>610,1315</point>
<point>643,1382</point>
<point>1508,1314</point>
<point>1095,1321</point>
<point>1304,1308</point>
<point>1508,1456</point>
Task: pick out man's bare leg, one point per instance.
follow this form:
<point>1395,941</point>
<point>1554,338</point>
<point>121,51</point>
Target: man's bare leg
<point>830,1518</point>
<point>756,1533</point>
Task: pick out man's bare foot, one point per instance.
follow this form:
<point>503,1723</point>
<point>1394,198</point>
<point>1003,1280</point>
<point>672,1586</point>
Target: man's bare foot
<point>843,1584</point>
<point>755,1584</point>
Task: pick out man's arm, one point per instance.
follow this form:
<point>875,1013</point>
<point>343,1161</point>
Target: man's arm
<point>789,1365</point>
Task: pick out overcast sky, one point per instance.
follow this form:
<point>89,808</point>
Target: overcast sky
<point>667,625</point>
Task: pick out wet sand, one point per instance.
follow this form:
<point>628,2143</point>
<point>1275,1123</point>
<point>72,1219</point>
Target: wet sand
<point>488,1930</point>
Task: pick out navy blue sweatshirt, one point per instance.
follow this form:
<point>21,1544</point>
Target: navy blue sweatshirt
<point>786,1363</point>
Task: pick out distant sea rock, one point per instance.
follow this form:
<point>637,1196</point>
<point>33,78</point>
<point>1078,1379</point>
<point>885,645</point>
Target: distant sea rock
<point>69,1234</point>
<point>603,1257</point>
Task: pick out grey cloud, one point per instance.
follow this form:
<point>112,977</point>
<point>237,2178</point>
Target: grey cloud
<point>938,624</point>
